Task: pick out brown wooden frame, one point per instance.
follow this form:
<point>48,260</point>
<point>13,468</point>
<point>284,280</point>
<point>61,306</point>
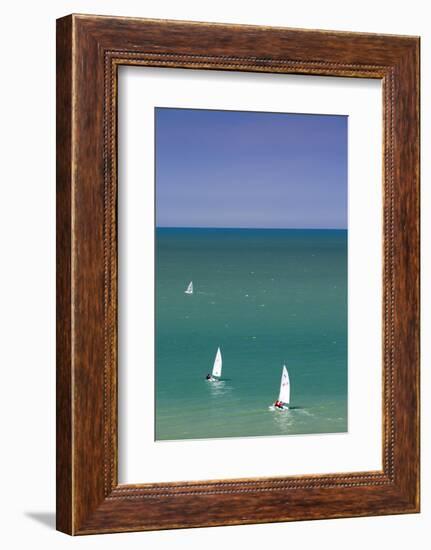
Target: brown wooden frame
<point>89,51</point>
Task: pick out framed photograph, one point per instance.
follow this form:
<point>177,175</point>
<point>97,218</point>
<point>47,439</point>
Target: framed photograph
<point>237,274</point>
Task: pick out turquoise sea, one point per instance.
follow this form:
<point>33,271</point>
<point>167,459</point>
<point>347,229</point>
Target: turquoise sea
<point>266,297</point>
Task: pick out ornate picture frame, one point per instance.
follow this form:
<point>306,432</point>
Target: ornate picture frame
<point>89,51</point>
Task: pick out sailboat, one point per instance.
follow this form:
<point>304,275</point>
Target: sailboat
<point>189,289</point>
<point>283,400</point>
<point>216,372</point>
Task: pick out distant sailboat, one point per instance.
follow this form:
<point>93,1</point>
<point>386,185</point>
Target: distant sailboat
<point>283,400</point>
<point>189,289</point>
<point>216,372</point>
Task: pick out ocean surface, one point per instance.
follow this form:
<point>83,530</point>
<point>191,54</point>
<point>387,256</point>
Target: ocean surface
<point>266,297</point>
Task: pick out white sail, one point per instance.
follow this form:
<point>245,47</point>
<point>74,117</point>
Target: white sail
<point>217,364</point>
<point>189,288</point>
<point>284,396</point>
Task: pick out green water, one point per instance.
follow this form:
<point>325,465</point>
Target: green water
<point>265,297</point>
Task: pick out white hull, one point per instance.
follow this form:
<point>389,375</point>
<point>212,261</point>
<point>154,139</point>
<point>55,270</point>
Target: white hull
<point>280,409</point>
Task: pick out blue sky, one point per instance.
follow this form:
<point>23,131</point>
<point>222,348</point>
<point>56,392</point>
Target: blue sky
<point>250,169</point>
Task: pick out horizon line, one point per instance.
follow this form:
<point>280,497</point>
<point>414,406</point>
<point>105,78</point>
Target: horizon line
<point>263,228</point>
